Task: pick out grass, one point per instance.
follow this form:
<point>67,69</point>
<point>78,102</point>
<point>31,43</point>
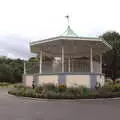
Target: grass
<point>8,85</point>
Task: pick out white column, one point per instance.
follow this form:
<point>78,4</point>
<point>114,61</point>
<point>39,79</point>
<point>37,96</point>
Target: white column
<point>24,67</point>
<point>40,71</point>
<point>91,60</point>
<point>69,65</point>
<point>100,63</point>
<point>62,58</point>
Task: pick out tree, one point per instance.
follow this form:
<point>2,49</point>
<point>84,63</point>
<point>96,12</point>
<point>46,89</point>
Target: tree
<point>11,70</point>
<point>5,73</point>
<point>37,58</point>
<point>111,58</point>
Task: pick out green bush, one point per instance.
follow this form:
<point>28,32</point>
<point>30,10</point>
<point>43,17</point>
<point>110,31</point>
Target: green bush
<point>29,93</point>
<point>116,88</point>
<point>19,86</point>
<point>39,89</point>
<point>78,91</point>
<point>73,91</point>
<point>14,92</point>
<point>5,84</point>
<point>112,87</point>
<point>49,87</point>
<point>62,88</point>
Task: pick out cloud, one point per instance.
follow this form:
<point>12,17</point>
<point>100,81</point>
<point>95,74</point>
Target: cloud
<point>24,20</point>
<point>14,47</point>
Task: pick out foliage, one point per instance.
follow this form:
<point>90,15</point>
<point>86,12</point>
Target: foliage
<point>5,84</point>
<point>61,92</point>
<point>18,86</point>
<point>39,89</point>
<point>11,70</point>
<point>112,87</point>
<point>111,59</point>
<point>37,59</point>
<point>61,88</point>
<point>6,74</point>
<point>49,87</point>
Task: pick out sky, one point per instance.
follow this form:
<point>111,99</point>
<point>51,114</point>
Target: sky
<point>23,21</point>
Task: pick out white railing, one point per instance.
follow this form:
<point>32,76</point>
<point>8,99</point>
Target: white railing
<point>55,66</point>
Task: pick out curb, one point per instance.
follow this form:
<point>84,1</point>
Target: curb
<point>69,100</point>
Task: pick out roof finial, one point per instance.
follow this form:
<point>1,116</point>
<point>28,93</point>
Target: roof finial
<point>67,16</point>
<point>68,32</point>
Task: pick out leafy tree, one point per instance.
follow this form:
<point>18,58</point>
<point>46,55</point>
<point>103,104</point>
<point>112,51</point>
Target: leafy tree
<point>112,58</point>
<point>11,70</point>
<point>33,59</point>
<point>6,74</point>
<point>37,58</point>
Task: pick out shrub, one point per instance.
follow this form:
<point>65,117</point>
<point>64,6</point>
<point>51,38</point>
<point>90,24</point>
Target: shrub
<point>111,87</point>
<point>29,93</point>
<point>83,91</point>
<point>116,87</point>
<point>39,89</point>
<point>50,94</point>
<point>78,91</point>
<point>62,88</point>
<point>19,86</point>
<point>14,92</point>
<point>62,92</point>
<point>3,84</point>
<point>73,91</point>
<point>49,87</point>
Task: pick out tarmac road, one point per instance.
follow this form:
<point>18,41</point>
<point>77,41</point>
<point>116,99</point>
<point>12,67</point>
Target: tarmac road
<point>16,108</point>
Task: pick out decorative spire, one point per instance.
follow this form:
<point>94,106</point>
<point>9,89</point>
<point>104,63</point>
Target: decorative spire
<point>69,32</point>
<point>67,17</point>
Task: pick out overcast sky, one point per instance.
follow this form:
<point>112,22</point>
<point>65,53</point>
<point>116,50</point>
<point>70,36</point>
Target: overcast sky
<point>22,21</point>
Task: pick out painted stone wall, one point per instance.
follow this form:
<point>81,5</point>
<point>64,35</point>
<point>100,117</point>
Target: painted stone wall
<point>28,80</point>
<point>47,79</point>
<point>70,80</point>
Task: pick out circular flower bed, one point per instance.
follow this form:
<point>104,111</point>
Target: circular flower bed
<point>61,92</point>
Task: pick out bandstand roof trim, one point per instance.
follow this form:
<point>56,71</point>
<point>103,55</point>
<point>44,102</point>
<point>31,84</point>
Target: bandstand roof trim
<point>74,46</point>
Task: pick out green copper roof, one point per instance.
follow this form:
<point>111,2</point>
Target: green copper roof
<point>69,32</point>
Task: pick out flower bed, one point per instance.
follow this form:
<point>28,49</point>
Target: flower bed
<point>61,92</point>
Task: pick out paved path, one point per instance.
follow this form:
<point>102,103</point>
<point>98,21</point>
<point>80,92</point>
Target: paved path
<point>14,108</point>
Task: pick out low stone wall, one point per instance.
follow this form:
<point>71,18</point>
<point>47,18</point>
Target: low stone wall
<point>69,79</point>
<point>47,79</point>
<point>27,80</point>
<point>77,80</point>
